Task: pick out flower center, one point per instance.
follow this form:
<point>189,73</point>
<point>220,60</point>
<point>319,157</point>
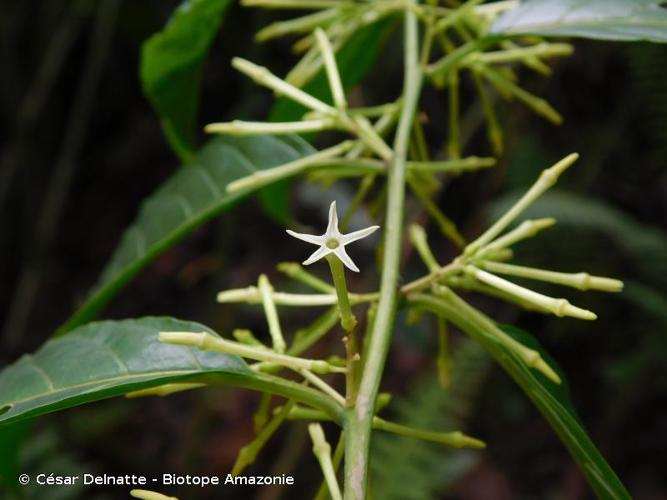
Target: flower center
<point>332,243</point>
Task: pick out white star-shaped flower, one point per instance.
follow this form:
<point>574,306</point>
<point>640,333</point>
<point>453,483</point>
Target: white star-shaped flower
<point>332,241</point>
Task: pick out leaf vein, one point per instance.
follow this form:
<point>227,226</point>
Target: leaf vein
<point>140,242</point>
<point>119,361</point>
<point>41,371</point>
<point>245,160</point>
<point>209,182</point>
<point>183,202</point>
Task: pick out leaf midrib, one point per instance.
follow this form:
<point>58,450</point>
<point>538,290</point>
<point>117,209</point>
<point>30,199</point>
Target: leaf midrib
<point>611,21</point>
<point>128,377</point>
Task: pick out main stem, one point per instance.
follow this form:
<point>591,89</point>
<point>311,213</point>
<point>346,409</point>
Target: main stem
<point>359,418</point>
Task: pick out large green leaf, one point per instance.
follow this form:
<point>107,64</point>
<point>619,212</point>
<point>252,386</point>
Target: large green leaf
<point>550,399</point>
<point>106,359</point>
<point>186,200</point>
<point>110,358</point>
<point>554,403</point>
<point>626,20</point>
<point>171,68</point>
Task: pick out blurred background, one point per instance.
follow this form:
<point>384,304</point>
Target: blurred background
<point>81,147</point>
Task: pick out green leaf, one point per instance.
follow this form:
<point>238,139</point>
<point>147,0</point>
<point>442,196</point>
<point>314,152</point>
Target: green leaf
<point>354,59</point>
<point>186,200</point>
<point>554,403</point>
<point>626,20</point>
<point>171,68</point>
<point>105,359</point>
<point>551,399</point>
<point>111,358</point>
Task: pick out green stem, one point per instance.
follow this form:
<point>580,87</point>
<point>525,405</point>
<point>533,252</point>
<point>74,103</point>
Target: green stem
<point>349,323</point>
<point>494,131</point>
<point>347,319</point>
<point>444,361</point>
<point>427,281</point>
<point>439,69</point>
<point>453,144</point>
<point>353,367</point>
<point>359,419</point>
<point>301,24</point>
<point>420,243</point>
<point>537,104</point>
<point>446,225</point>
<point>364,187</point>
<point>337,459</point>
<point>263,177</point>
<point>298,273</point>
<point>306,337</point>
<point>483,329</point>
<point>320,384</point>
<point>544,182</point>
<point>262,414</point>
<point>266,292</point>
<point>249,452</point>
<point>208,342</point>
<point>455,439</point>
<point>286,388</point>
<point>322,450</point>
<point>251,295</point>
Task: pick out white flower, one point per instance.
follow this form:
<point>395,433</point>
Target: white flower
<point>332,241</point>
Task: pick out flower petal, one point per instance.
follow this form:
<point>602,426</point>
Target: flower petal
<point>317,255</point>
<point>308,238</point>
<point>345,258</point>
<point>332,226</point>
<point>357,235</point>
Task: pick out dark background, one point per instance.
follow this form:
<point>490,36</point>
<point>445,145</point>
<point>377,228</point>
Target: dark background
<point>81,147</point>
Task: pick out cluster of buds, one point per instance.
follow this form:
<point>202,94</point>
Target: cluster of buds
<point>322,116</point>
<point>478,261</point>
<point>483,260</point>
<point>329,28</point>
<point>456,40</point>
